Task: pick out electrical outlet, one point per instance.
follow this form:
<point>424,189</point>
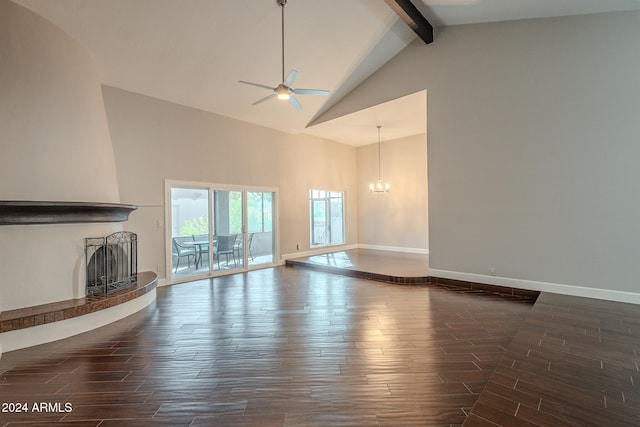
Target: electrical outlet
<point>158,269</point>
<point>492,272</point>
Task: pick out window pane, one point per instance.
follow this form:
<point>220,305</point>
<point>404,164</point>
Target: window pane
<point>319,221</point>
<point>190,211</point>
<point>255,212</point>
<point>327,217</point>
<point>189,223</point>
<point>336,221</point>
<point>227,215</point>
<point>318,194</point>
<point>267,212</point>
<point>235,212</point>
<point>260,234</point>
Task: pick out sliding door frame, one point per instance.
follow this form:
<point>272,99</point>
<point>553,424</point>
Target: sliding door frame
<point>211,188</point>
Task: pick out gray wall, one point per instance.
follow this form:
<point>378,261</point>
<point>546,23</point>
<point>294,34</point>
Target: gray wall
<point>532,150</point>
<point>397,220</point>
<point>155,140</point>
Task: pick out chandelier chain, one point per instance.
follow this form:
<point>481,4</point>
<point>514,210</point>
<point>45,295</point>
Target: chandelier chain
<point>379,152</point>
<point>379,187</point>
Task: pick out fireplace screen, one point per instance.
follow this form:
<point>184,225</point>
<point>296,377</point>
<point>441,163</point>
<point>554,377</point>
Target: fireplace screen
<point>112,262</point>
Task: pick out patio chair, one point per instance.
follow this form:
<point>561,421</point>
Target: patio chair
<point>180,251</point>
<point>225,246</point>
<point>239,245</point>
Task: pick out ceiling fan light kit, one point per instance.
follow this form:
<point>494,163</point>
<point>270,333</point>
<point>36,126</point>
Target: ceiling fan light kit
<point>284,90</point>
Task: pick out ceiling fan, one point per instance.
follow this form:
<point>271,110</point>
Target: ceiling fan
<point>285,90</point>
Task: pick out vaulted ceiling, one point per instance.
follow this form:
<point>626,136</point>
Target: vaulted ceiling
<point>193,52</point>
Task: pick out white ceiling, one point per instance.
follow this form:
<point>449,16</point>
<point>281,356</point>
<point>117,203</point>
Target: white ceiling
<point>398,118</point>
<point>193,52</point>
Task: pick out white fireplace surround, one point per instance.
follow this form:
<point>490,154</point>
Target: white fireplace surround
<point>57,148</point>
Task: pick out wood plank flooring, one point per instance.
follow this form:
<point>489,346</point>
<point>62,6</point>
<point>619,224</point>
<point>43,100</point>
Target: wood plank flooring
<point>395,264</point>
<point>574,362</point>
<point>273,347</point>
<point>295,347</point>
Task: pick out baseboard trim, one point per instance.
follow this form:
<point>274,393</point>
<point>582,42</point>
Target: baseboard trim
<point>556,288</point>
<point>421,251</point>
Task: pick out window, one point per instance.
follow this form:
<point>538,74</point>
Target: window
<point>259,212</point>
<point>327,217</point>
<point>202,215</point>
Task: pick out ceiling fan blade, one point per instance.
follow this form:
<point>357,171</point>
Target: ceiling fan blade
<point>256,84</point>
<point>291,77</point>
<point>293,101</point>
<point>310,92</point>
<point>266,98</point>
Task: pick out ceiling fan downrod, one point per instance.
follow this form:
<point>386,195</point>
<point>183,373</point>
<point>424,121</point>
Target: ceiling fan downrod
<point>285,90</point>
<point>282,4</point>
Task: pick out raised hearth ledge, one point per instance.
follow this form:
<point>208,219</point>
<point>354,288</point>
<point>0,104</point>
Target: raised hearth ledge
<point>43,212</point>
<point>31,326</point>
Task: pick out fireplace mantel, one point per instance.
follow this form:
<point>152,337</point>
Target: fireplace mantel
<point>13,212</point>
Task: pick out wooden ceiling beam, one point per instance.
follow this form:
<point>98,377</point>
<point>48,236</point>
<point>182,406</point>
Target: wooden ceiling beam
<point>407,11</point>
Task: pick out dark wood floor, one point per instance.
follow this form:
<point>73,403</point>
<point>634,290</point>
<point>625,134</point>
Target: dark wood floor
<point>574,362</point>
<point>295,347</point>
<point>395,264</point>
<point>274,347</point>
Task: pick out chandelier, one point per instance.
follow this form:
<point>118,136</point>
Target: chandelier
<point>378,187</point>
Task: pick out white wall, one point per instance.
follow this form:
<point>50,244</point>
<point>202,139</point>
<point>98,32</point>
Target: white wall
<point>55,139</point>
<point>533,146</point>
<point>55,146</point>
<point>155,140</point>
<point>396,220</point>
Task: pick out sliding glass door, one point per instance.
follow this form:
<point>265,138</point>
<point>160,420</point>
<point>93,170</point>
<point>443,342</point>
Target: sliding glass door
<point>260,214</point>
<point>228,230</point>
<point>189,231</point>
<point>217,229</point>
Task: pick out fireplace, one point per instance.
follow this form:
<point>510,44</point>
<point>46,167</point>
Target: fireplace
<point>42,257</point>
<point>112,262</point>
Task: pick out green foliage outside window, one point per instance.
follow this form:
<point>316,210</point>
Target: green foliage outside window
<point>197,226</point>
<point>259,212</point>
<point>235,212</point>
<point>259,215</point>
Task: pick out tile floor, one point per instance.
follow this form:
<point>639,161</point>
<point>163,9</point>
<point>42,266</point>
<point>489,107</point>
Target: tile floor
<point>296,347</point>
<point>374,261</point>
<point>273,347</point>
